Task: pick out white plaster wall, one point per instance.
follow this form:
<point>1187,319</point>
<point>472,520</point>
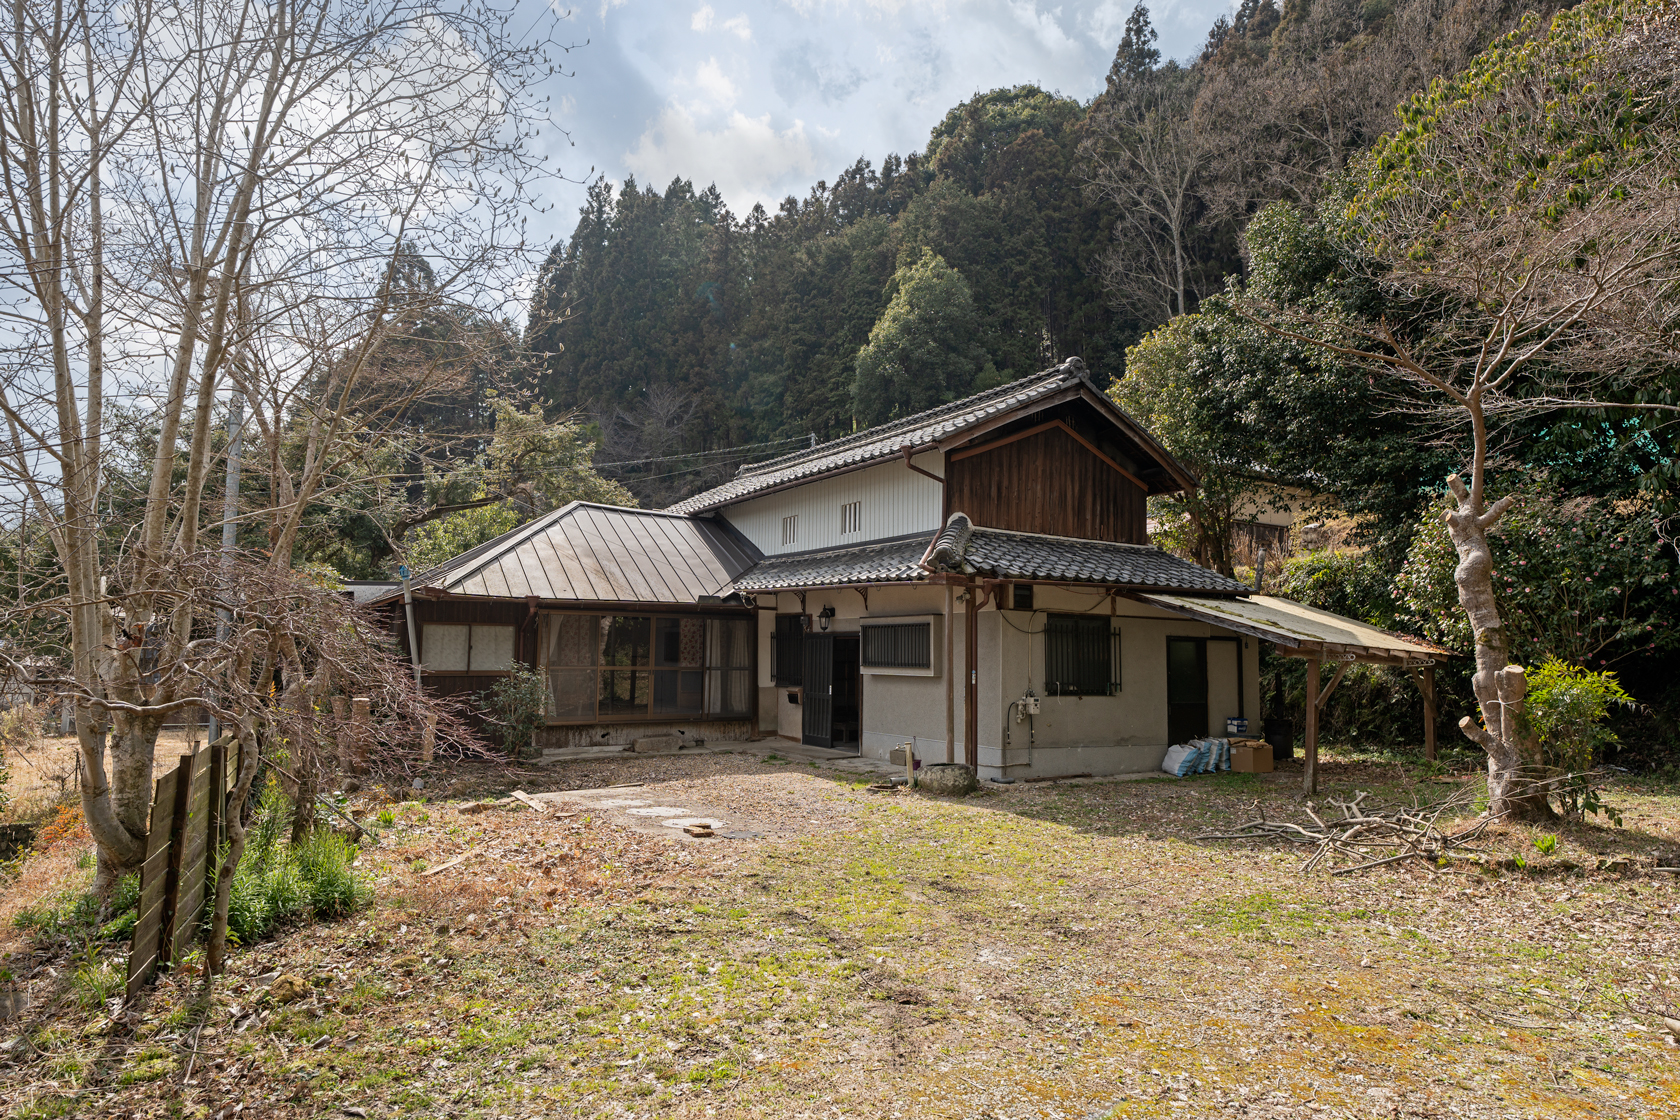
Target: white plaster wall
<point>896,501</point>
<point>1121,734</point>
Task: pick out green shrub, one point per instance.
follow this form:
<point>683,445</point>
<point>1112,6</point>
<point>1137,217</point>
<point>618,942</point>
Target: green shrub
<point>332,889</point>
<point>519,706</point>
<point>96,981</point>
<point>1566,709</point>
<point>77,915</point>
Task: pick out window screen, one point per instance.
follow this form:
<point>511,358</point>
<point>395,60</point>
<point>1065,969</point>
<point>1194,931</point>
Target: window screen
<point>898,645</point>
<point>1079,656</point>
<point>635,667</point>
<point>466,649</point>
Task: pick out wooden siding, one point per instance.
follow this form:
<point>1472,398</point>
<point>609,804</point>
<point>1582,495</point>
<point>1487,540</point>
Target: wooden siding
<point>1047,483</point>
<point>894,502</point>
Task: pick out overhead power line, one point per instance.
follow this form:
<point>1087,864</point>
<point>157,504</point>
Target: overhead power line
<point>809,436</point>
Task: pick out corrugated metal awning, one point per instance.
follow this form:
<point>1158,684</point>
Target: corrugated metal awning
<point>1302,630</point>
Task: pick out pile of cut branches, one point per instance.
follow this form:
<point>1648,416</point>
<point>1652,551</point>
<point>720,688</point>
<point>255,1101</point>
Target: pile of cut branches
<point>1356,831</point>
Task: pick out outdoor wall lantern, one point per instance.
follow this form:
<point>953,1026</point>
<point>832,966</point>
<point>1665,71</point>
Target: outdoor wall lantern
<point>823,617</point>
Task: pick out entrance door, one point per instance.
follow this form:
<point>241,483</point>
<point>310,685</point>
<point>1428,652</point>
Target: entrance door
<point>817,703</point>
<point>1187,695</point>
<point>848,708</point>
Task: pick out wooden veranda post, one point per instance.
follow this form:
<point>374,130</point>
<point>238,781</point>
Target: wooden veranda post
<point>1429,712</point>
<point>1309,777</point>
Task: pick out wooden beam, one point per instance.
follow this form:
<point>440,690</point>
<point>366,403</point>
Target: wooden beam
<point>1309,779</point>
<point>1335,679</point>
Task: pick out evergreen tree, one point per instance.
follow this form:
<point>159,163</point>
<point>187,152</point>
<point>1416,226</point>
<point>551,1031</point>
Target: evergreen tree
<point>923,351</point>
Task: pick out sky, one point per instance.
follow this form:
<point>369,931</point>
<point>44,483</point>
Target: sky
<point>765,97</point>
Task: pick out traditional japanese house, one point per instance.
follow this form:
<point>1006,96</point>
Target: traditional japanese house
<point>974,581</point>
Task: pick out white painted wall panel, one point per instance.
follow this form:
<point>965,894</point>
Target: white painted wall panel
<point>896,501</point>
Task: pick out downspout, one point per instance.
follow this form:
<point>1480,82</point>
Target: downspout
<point>950,675</point>
<point>413,635</point>
<point>971,695</point>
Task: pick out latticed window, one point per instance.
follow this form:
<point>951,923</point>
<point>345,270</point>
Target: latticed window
<point>1081,656</point>
<point>790,529</point>
<point>788,649</point>
<point>851,518</point>
<point>897,645</point>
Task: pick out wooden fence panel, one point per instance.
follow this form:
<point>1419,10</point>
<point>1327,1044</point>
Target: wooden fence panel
<point>189,809</point>
<point>154,877</point>
<point>195,850</point>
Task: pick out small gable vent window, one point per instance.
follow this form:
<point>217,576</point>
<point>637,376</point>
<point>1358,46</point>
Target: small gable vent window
<point>897,645</point>
<point>851,517</point>
<point>1081,656</point>
<point>790,529</point>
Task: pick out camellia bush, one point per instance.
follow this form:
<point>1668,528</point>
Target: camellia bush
<point>1576,578</point>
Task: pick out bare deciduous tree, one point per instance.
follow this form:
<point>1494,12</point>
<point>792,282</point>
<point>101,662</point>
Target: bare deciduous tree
<point>162,166</point>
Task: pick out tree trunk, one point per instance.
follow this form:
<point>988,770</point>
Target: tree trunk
<point>1513,756</point>
<point>216,948</point>
<point>132,744</point>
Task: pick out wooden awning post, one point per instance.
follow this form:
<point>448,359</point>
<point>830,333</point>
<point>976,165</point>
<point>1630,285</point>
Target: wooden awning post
<point>950,674</point>
<point>1429,712</point>
<point>1425,679</point>
<point>1309,779</point>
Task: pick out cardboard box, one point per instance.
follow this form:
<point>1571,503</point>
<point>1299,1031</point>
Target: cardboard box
<point>1248,759</point>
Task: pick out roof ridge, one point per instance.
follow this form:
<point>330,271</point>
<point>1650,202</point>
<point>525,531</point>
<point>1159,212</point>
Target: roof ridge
<point>1077,540</point>
<point>880,431</point>
<point>492,545</point>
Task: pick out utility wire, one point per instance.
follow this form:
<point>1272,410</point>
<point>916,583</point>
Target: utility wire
<point>809,436</point>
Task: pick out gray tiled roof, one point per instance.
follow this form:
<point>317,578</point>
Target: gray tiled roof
<point>1001,554</point>
<point>994,553</point>
<point>1005,555</point>
<point>890,562</point>
<point>887,440</point>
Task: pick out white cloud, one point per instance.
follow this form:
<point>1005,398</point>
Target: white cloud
<point>740,27</point>
<point>748,158</point>
<point>702,20</point>
<point>714,85</point>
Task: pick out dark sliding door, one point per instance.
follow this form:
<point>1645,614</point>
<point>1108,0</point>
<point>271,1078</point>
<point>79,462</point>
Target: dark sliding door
<point>817,703</point>
<point>1187,701</point>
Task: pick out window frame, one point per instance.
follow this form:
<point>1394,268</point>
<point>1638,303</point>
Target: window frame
<point>1082,649</point>
<point>469,671</point>
<point>933,622</point>
<point>648,712</point>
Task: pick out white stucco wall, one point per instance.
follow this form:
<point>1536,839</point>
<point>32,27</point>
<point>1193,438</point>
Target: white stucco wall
<point>1120,734</point>
<point>894,502</point>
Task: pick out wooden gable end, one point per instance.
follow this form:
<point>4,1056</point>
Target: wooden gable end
<point>1047,478</point>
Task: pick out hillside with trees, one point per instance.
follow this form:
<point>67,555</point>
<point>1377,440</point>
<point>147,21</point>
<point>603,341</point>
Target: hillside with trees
<point>681,327</point>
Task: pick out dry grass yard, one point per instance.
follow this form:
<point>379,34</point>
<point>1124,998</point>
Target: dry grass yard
<point>1058,950</point>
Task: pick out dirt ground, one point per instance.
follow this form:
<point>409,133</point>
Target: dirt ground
<point>44,770</point>
<point>1057,950</point>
